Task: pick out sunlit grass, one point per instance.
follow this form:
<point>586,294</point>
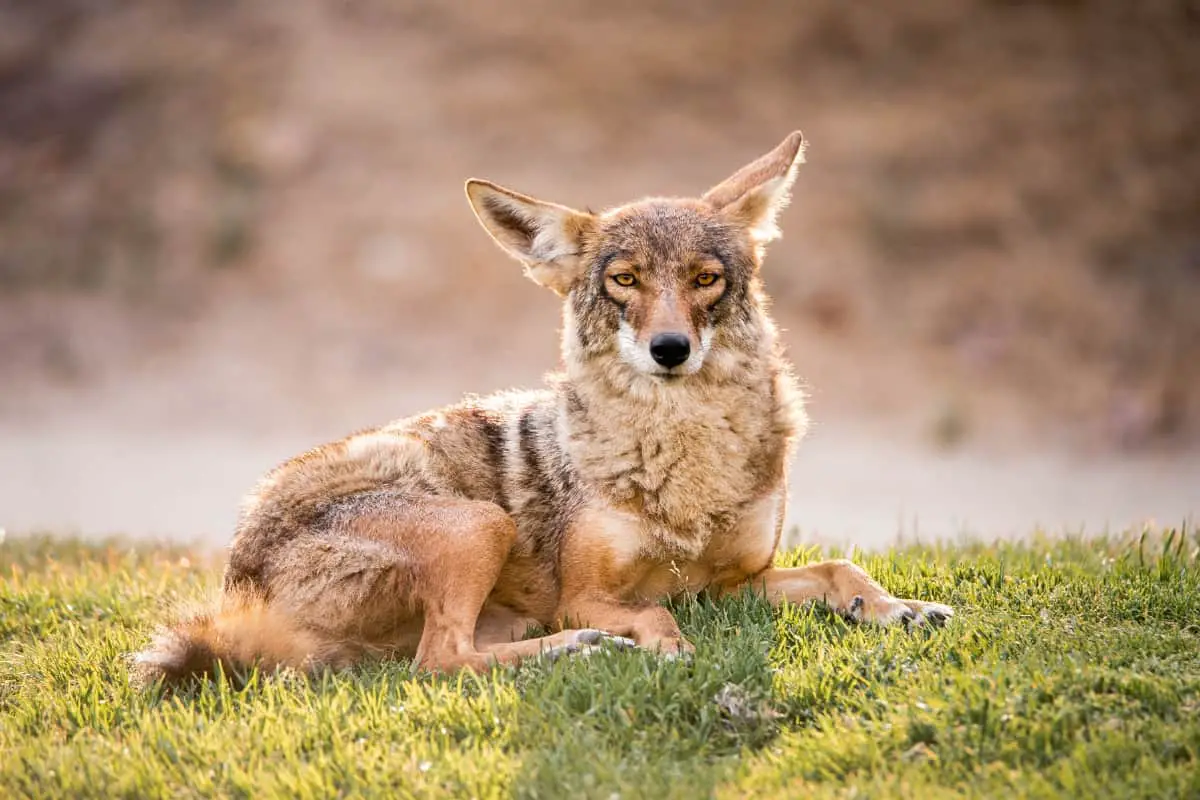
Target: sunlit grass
<point>1072,669</point>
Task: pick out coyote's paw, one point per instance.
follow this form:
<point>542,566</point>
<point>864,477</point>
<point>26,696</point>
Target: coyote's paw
<point>936,614</point>
<point>585,642</point>
<point>888,610</point>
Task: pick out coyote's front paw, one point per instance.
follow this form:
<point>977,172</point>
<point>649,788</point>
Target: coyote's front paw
<point>888,610</point>
<point>932,613</point>
<point>585,642</point>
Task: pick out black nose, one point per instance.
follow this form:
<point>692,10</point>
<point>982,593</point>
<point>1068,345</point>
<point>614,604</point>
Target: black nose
<point>670,349</point>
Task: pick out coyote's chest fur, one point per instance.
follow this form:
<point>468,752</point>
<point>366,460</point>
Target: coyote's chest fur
<point>686,460</point>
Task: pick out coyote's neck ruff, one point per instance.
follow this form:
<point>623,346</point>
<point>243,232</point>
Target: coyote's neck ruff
<point>654,464</point>
<point>687,454</point>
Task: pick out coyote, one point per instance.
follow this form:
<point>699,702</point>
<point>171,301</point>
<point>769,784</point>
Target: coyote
<point>654,464</point>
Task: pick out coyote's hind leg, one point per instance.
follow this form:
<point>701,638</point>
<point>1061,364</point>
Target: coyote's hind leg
<point>392,565</point>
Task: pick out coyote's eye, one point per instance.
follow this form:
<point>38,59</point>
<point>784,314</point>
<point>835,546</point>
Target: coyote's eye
<point>624,279</point>
<point>707,279</point>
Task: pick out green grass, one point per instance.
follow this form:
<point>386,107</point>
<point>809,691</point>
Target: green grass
<point>1072,669</point>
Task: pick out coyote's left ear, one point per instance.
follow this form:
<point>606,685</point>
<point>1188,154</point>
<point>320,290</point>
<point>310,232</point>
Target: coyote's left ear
<point>755,194</point>
<point>546,237</point>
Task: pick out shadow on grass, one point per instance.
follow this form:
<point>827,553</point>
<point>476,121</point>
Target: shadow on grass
<point>635,719</point>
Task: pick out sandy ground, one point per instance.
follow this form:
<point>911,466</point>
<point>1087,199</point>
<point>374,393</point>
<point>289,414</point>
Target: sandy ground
<point>848,487</point>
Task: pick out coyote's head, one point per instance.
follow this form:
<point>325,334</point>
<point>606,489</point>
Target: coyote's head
<point>664,285</point>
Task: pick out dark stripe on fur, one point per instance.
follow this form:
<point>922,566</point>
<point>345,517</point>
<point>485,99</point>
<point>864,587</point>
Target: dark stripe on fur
<point>550,480</point>
<point>493,438</point>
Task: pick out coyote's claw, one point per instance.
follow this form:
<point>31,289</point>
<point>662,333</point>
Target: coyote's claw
<point>854,612</point>
<point>912,614</point>
<point>936,614</point>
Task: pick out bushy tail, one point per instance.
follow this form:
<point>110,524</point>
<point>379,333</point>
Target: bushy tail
<point>244,631</point>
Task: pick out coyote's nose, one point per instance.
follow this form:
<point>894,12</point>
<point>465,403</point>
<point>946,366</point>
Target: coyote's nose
<point>670,349</point>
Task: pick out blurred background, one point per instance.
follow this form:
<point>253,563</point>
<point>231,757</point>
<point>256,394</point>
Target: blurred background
<point>231,230</point>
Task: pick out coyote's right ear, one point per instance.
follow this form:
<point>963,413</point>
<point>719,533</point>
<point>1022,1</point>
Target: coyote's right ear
<point>546,237</point>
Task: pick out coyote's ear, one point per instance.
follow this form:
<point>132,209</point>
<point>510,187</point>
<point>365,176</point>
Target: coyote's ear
<point>755,194</point>
<point>545,237</point>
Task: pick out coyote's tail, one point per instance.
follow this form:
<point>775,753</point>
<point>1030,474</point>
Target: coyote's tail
<point>243,631</point>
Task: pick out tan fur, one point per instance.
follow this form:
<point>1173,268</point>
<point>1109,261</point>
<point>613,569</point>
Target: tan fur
<point>635,476</point>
